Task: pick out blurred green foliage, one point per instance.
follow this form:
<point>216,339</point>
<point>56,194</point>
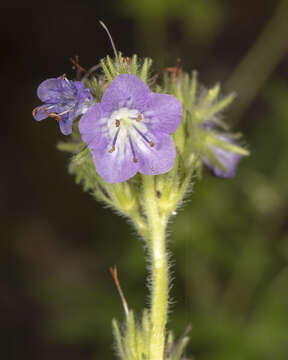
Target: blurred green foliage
<point>201,19</point>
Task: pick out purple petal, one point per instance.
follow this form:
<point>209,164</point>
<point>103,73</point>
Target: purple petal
<point>228,159</point>
<point>79,87</point>
<point>163,113</point>
<point>93,127</point>
<point>116,166</point>
<point>50,90</point>
<point>83,97</point>
<point>67,87</point>
<point>125,91</point>
<point>158,159</point>
<point>65,125</point>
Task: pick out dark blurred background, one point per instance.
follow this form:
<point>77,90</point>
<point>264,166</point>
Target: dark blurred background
<point>230,241</point>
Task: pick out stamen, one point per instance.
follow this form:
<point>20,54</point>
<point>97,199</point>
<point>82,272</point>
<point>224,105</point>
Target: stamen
<point>133,151</point>
<point>139,118</point>
<point>151,143</point>
<point>117,123</point>
<point>66,111</point>
<point>53,115</point>
<point>114,141</point>
<point>63,77</point>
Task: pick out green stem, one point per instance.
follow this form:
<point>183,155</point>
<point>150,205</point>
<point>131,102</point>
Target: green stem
<point>159,307</point>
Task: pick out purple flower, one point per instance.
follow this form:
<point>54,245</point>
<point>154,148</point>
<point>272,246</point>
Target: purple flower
<point>228,159</point>
<point>63,100</point>
<point>129,130</point>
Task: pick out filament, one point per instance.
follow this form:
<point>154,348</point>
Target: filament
<point>144,137</point>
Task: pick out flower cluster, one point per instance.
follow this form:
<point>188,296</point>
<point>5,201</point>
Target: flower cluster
<point>207,137</point>
<point>127,127</point>
<point>129,130</point>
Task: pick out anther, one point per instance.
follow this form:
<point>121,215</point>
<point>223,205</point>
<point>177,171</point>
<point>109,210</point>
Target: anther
<point>114,141</point>
<point>139,118</point>
<point>135,160</point>
<point>117,123</point>
<point>63,77</point>
<point>57,117</point>
<point>34,111</point>
<point>151,143</point>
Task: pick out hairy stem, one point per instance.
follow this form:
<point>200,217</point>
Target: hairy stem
<point>159,306</point>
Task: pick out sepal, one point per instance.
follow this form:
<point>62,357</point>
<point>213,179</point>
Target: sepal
<point>132,339</point>
<point>125,65</point>
<point>132,342</point>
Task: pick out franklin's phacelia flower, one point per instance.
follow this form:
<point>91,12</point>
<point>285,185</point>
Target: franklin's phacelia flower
<point>228,159</point>
<point>63,100</point>
<point>129,130</point>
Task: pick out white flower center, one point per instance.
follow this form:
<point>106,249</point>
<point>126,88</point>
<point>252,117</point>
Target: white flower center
<point>125,127</point>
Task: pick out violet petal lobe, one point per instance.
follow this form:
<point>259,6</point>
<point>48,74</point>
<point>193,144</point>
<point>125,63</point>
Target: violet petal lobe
<point>158,159</point>
<point>93,127</point>
<point>49,91</point>
<point>116,166</point>
<point>163,112</point>
<point>82,101</point>
<point>41,112</point>
<point>65,125</point>
<point>228,159</point>
<point>125,90</point>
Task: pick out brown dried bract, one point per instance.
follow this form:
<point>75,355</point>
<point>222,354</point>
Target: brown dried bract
<point>75,62</point>
<point>126,61</point>
<point>114,273</point>
<point>175,71</point>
